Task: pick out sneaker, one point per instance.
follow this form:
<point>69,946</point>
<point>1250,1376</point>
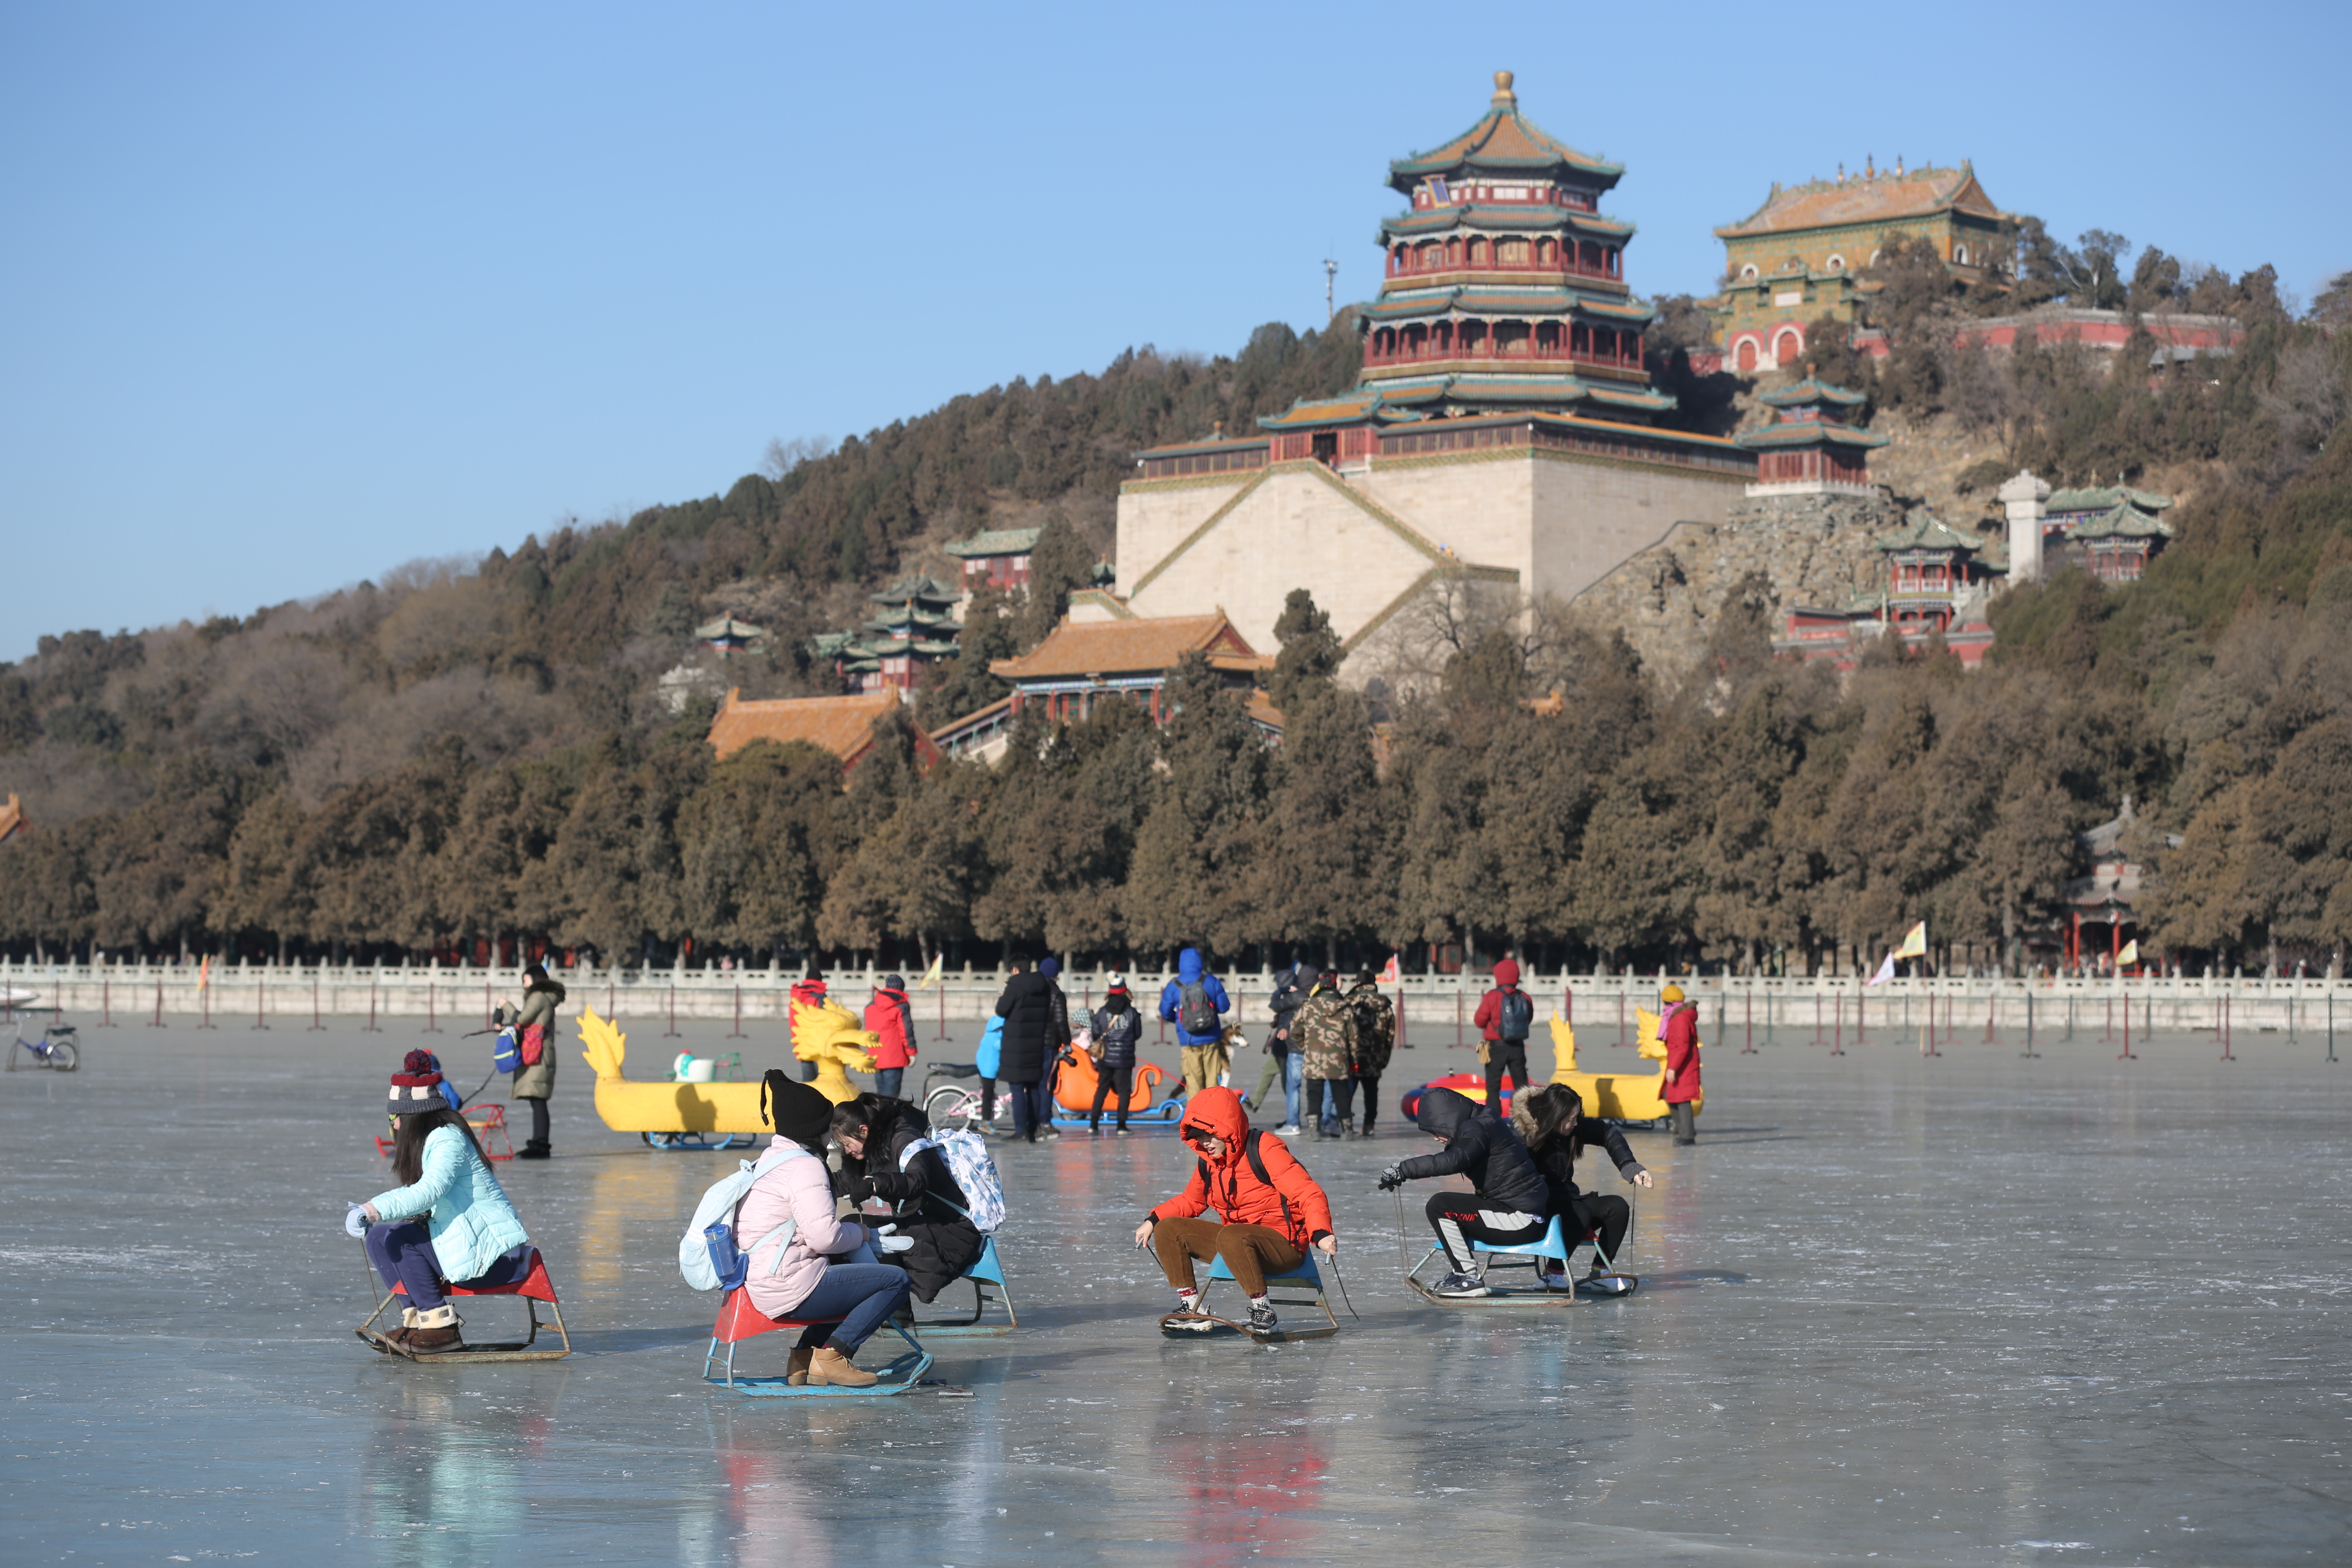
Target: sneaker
<point>1261,1320</point>
<point>1051,1135</point>
<point>1603,1285</point>
<point>433,1342</point>
<point>1555,1279</point>
<point>1461,1287</point>
<point>1287,1129</point>
<point>1095,1131</point>
<point>1121,1130</point>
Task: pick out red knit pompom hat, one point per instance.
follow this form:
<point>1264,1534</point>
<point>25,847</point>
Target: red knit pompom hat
<point>416,1086</point>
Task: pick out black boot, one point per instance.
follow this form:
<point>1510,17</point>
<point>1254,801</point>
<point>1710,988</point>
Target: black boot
<point>534,1149</point>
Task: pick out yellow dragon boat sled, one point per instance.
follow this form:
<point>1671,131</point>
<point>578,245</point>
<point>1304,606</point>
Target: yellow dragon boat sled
<point>713,1115</point>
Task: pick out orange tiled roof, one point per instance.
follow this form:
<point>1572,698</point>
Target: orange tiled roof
<point>1826,204</point>
<point>842,725</point>
<point>1145,644</point>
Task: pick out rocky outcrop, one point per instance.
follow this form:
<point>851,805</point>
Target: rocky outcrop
<point>1811,550</point>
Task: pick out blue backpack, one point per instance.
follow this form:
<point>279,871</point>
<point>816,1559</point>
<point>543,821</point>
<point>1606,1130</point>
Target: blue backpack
<point>991,1055</point>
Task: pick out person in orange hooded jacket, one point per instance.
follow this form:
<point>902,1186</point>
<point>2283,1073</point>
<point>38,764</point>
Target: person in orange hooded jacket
<point>890,1020</point>
<point>1272,1209</point>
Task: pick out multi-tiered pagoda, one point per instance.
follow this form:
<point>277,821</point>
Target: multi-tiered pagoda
<point>1505,287</point>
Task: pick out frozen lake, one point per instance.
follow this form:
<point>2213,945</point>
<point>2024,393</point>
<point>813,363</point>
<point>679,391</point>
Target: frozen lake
<point>1971,1309</point>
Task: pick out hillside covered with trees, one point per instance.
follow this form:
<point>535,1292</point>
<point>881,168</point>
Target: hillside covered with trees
<point>479,751</point>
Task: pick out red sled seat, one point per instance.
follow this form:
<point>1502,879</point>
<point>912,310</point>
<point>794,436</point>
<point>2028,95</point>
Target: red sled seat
<point>534,1286</point>
<point>490,1124</point>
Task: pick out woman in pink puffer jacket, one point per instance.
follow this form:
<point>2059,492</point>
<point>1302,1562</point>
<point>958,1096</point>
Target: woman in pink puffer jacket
<point>798,1249</point>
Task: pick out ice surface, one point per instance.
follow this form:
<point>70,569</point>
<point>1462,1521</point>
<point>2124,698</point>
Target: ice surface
<point>1970,1309</point>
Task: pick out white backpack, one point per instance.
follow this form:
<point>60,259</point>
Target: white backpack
<point>966,1155</point>
<point>716,1212</point>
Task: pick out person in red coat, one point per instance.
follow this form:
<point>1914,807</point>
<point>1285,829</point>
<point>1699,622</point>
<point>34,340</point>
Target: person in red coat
<point>1679,1028</point>
<point>891,1022</point>
<point>1504,1016</point>
<point>1272,1209</point>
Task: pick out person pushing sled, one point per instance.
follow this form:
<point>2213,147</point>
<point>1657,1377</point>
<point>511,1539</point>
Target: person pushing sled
<point>1273,1214</point>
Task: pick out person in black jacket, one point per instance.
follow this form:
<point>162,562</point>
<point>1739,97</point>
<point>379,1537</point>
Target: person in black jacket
<point>1292,986</point>
<point>1118,1029</point>
<point>1507,1207</point>
<point>1552,1122</point>
<point>928,1208</point>
<point>1036,1027</point>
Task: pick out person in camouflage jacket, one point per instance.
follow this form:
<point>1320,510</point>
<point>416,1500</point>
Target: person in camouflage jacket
<point>1325,1031</point>
<point>1375,1039</point>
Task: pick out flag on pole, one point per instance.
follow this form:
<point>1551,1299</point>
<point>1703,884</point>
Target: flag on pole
<point>932,975</point>
<point>203,972</point>
<point>1886,972</point>
<point>2129,955</point>
<point>1392,975</point>
<point>1915,942</point>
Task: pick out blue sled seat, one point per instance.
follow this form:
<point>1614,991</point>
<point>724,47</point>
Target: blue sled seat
<point>1304,1283</point>
<point>988,1288</point>
<point>1553,1244</point>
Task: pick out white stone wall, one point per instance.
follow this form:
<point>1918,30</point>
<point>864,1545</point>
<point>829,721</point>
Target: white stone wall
<point>1295,531</point>
<point>1559,524</point>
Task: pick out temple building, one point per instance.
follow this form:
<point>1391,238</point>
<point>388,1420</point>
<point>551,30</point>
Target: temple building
<point>995,557</point>
<point>1500,430</point>
<point>2111,531</point>
<point>1796,258</point>
<point>1102,652</point>
<point>727,635</point>
<point>1809,448</point>
<point>914,626</point>
<point>842,725</point>
<point>1939,584</point>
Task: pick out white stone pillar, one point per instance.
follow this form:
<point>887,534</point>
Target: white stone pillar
<point>2024,497</point>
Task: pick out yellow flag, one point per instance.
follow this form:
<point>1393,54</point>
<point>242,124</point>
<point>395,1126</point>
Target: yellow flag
<point>932,975</point>
<point>203,972</point>
<point>1915,942</point>
<point>2129,955</point>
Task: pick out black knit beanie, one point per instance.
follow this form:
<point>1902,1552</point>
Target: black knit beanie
<point>794,1108</point>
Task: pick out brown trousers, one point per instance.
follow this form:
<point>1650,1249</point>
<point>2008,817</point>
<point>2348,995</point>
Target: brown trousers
<point>1251,1251</point>
<point>1202,1065</point>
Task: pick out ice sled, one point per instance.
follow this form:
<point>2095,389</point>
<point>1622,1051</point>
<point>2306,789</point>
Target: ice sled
<point>740,1320</point>
<point>1303,1284</point>
<point>1073,1094</point>
<point>988,1289</point>
<point>1553,1245</point>
<point>534,1286</point>
<point>687,1115</point>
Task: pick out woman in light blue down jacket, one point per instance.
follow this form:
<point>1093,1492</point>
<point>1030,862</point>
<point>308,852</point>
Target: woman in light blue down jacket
<point>448,1219</point>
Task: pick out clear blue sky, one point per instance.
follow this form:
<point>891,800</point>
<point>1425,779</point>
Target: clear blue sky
<point>296,293</point>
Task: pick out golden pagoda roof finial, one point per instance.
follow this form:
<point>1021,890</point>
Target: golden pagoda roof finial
<point>1504,97</point>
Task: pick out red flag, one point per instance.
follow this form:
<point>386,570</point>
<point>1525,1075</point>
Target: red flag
<point>1391,975</point>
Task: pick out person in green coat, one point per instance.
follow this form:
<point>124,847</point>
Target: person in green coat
<point>535,1033</point>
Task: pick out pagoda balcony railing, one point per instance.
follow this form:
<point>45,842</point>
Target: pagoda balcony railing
<point>1431,353</point>
<point>1496,272</point>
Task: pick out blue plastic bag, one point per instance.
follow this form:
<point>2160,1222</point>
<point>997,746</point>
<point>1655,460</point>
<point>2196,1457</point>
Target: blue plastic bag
<point>992,1049</point>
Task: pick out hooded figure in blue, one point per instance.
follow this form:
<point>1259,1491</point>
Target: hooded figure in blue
<point>1192,1002</point>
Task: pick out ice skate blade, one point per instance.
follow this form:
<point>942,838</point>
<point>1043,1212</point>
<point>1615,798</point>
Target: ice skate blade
<point>1204,1326</point>
<point>904,1375</point>
<point>1497,1296</point>
<point>518,1349</point>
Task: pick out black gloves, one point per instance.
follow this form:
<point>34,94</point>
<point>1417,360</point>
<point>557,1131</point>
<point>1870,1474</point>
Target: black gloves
<point>1390,1180</point>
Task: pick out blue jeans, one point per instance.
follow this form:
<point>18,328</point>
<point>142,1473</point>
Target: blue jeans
<point>1294,1078</point>
<point>404,1252</point>
<point>887,1080</point>
<point>1033,1108</point>
<point>862,1295</point>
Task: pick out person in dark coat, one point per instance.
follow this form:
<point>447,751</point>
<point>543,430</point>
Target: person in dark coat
<point>1284,1061</point>
<point>928,1208</point>
<point>1508,1207</point>
<point>1552,1122</point>
<point>1036,1027</point>
<point>1117,1029</point>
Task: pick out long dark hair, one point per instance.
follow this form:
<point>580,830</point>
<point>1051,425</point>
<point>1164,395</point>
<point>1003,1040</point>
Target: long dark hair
<point>1552,1106</point>
<point>408,1140</point>
<point>535,978</point>
<point>875,1113</point>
